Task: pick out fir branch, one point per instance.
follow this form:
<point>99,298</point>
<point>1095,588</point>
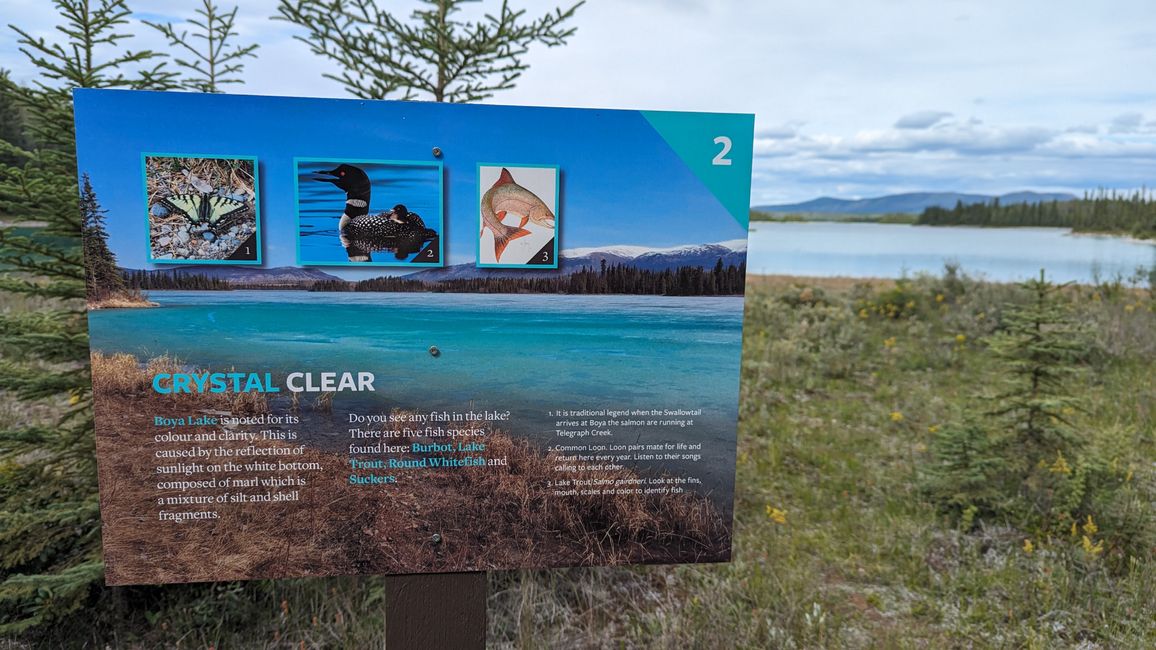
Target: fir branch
<point>433,55</point>
<point>218,61</point>
<point>46,289</point>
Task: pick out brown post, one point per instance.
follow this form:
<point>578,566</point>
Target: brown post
<point>435,611</point>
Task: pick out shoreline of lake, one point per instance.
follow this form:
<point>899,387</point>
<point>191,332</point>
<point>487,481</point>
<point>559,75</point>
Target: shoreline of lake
<point>882,251</point>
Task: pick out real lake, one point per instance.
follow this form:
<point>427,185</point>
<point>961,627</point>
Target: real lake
<point>862,250</point>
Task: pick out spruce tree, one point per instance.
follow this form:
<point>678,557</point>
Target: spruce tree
<point>102,277</point>
<point>13,131</point>
<point>214,61</point>
<point>1039,345</point>
<point>433,56</point>
<point>968,471</point>
<point>49,519</point>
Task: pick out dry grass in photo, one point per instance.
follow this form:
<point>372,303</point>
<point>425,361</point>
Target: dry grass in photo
<point>431,520</point>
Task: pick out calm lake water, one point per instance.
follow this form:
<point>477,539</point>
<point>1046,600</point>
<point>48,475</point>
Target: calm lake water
<point>863,250</point>
<point>528,354</point>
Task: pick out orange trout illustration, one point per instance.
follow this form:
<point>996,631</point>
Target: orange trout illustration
<point>507,196</point>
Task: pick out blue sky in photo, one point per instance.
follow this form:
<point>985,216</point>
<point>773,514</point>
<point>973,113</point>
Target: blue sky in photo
<point>620,182</point>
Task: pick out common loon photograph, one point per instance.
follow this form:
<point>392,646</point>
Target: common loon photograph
<point>369,213</point>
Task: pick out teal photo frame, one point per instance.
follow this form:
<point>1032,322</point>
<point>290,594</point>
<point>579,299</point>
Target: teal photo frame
<point>556,208</point>
<point>305,256</point>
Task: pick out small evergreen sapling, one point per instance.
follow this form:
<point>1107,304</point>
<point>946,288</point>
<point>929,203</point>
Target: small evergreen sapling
<point>214,61</point>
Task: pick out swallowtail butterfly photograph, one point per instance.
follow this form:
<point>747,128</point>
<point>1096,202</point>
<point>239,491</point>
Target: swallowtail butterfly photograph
<point>202,209</point>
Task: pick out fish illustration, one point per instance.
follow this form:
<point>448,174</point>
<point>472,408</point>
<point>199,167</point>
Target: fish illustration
<point>507,196</point>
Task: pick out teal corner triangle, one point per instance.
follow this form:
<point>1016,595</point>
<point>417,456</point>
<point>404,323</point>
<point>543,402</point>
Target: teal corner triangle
<point>718,148</point>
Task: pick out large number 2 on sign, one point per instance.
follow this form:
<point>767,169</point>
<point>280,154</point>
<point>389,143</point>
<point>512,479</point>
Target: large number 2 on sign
<point>721,158</point>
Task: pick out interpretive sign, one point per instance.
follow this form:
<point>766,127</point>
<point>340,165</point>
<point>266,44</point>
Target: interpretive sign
<point>344,337</point>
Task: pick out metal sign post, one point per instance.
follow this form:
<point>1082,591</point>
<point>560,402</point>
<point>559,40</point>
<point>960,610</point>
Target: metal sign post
<point>435,611</point>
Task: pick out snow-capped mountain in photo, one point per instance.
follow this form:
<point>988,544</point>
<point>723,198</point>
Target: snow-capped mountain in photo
<point>573,260</point>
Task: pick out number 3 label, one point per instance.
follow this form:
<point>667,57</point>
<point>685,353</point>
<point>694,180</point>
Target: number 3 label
<point>721,158</point>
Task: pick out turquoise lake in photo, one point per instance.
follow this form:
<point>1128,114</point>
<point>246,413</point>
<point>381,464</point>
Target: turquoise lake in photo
<point>528,354</point>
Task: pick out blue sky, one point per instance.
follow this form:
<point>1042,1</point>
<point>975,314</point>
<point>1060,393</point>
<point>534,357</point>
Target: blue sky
<point>852,99</point>
<point>621,183</point>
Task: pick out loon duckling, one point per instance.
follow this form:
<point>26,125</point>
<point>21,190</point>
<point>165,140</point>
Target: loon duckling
<point>397,229</point>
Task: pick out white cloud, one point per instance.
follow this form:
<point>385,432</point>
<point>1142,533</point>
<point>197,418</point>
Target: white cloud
<point>1014,106</point>
<point>1127,122</point>
<point>921,119</point>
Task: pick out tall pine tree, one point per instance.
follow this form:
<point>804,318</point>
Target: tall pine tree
<point>49,517</point>
<point>102,278</point>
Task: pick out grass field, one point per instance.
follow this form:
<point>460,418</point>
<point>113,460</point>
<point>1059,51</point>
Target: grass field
<point>846,387</point>
<point>836,544</point>
<point>843,217</point>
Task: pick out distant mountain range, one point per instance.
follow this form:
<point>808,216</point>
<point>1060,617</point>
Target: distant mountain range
<point>571,261</point>
<point>575,259</point>
<point>250,276</point>
<point>910,203</point>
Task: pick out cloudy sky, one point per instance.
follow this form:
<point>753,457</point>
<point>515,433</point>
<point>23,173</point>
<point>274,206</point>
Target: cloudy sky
<point>853,99</point>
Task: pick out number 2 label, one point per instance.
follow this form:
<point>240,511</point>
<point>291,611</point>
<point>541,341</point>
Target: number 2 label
<point>721,158</point>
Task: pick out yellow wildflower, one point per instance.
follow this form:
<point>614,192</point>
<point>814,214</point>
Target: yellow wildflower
<point>863,313</point>
<point>1090,527</point>
<point>1028,546</point>
<point>777,515</point>
<point>74,399</point>
<point>961,338</point>
<point>911,304</point>
<point>1061,465</point>
<point>889,343</point>
<point>1129,308</point>
<point>1128,477</point>
<point>1093,549</point>
<point>933,428</point>
<point>939,297</point>
<point>981,315</point>
<point>1075,531</point>
<point>896,416</point>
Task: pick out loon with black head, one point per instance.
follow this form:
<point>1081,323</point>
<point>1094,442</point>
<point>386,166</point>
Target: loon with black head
<point>397,230</point>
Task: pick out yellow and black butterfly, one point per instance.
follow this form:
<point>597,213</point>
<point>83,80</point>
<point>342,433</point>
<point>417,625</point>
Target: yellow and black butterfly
<point>204,209</point>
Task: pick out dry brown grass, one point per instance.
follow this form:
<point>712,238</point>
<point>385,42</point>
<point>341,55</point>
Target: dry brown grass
<point>780,282</point>
<point>431,520</point>
<point>121,376</point>
<point>120,302</point>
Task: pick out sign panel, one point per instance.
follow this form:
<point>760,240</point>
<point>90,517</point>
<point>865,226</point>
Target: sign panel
<point>350,337</point>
